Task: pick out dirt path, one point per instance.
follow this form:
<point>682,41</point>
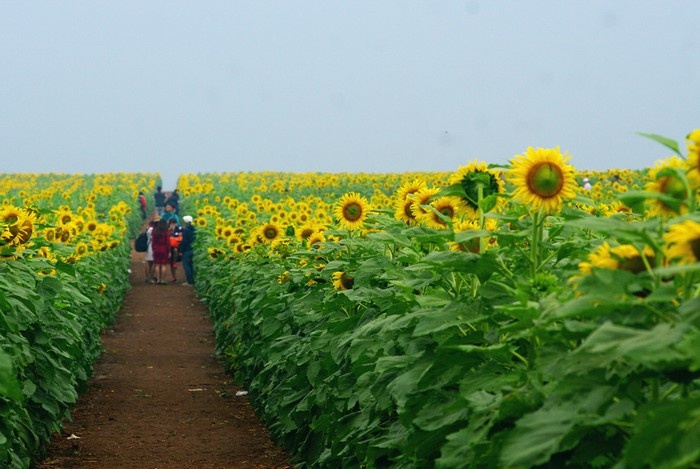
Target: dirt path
<point>158,397</point>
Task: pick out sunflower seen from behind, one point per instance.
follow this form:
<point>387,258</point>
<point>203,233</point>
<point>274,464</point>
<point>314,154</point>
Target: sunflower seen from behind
<point>478,182</point>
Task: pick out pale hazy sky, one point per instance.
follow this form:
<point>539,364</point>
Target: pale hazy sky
<point>362,86</point>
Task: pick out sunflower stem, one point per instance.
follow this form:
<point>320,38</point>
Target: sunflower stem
<point>536,237</point>
<point>480,196</point>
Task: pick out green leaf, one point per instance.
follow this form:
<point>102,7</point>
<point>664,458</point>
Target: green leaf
<point>665,141</point>
<point>666,434</point>
<point>8,380</point>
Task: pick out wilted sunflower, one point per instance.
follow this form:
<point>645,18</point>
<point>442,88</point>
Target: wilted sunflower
<point>474,175</point>
<point>342,281</point>
<point>665,180</point>
<point>542,179</point>
<point>351,211</point>
<point>683,242</point>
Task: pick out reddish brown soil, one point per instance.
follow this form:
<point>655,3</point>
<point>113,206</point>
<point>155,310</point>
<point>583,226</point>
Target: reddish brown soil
<point>159,397</point>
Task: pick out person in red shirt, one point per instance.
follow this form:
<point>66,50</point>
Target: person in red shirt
<point>160,239</point>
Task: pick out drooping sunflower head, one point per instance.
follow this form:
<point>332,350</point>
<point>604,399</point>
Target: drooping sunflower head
<point>683,242</point>
<point>351,211</point>
<point>475,176</point>
<point>543,179</point>
<point>665,179</point>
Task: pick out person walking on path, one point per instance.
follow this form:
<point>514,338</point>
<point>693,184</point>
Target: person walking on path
<point>174,200</point>
<point>150,268</point>
<point>159,198</point>
<point>161,249</point>
<point>188,236</point>
<point>142,205</point>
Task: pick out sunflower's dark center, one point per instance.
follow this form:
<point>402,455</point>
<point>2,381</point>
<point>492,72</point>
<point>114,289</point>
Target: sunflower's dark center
<point>270,232</point>
<point>407,209</point>
<point>306,233</point>
<point>347,281</point>
<point>673,186</point>
<point>695,247</point>
<point>635,264</point>
<point>545,180</point>
<point>65,219</point>
<point>352,211</point>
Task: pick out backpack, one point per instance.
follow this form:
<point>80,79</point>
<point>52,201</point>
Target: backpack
<point>141,242</point>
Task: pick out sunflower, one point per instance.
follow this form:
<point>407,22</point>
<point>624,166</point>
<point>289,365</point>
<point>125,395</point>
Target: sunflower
<point>81,249</point>
<point>16,225</point>
<point>693,160</point>
<point>474,245</point>
<point>623,257</point>
<point>542,179</point>
<point>665,180</point>
<point>422,197</point>
<point>410,188</point>
<point>446,206</point>
<point>342,281</point>
<point>474,176</point>
<point>683,242</point>
<point>316,238</point>
<point>403,211</point>
<point>270,232</point>
<point>351,210</point>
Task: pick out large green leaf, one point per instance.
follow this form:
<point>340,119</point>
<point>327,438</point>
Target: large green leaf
<point>665,141</point>
<point>666,435</point>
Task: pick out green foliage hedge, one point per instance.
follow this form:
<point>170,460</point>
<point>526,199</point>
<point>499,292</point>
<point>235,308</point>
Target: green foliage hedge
<point>441,358</point>
<point>49,339</point>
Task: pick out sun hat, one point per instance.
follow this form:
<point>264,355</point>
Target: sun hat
<point>585,179</point>
<point>187,219</point>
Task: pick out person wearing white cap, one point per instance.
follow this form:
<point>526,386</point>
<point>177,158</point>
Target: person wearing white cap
<point>188,236</point>
<point>586,184</point>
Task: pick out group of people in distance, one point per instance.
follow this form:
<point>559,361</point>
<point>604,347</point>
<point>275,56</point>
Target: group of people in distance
<point>169,241</point>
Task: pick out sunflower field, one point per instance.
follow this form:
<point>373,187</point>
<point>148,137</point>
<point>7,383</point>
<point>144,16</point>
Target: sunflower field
<point>487,317</point>
<point>64,262</point>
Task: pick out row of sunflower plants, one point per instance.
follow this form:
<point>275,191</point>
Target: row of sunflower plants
<point>64,262</point>
<point>494,316</point>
